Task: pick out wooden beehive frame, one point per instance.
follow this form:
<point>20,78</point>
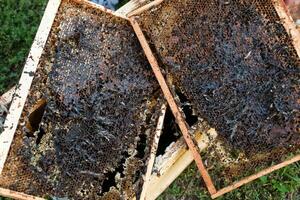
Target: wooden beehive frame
<point>291,29</point>
<point>22,90</point>
<point>18,95</point>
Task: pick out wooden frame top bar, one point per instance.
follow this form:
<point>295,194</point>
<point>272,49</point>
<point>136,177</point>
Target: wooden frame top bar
<point>129,7</point>
<point>255,176</point>
<point>145,7</point>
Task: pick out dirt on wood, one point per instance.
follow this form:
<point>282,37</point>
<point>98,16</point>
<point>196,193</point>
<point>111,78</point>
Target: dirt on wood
<point>89,121</point>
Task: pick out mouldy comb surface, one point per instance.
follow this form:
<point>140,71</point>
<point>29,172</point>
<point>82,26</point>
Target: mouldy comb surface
<point>102,106</point>
<point>236,64</point>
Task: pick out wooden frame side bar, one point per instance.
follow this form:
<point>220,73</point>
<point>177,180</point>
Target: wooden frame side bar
<point>288,23</point>
<point>153,151</point>
<point>255,176</point>
<point>176,112</point>
<point>22,89</point>
<point>17,195</point>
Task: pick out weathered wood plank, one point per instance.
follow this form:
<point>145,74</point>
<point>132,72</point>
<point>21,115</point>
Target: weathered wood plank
<point>153,151</point>
<point>17,195</point>
<point>176,160</point>
<point>288,23</point>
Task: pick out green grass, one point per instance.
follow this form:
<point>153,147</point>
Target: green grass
<point>3,198</point>
<point>121,3</point>
<point>282,184</point>
<point>19,20</point>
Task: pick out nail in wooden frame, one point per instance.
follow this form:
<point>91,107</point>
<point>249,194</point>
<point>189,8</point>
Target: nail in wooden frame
<point>291,29</point>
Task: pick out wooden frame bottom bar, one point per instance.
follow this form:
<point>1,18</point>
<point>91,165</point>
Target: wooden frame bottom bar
<point>255,176</point>
<point>17,195</point>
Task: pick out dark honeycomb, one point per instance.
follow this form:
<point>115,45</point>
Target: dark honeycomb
<point>92,139</point>
<point>235,63</point>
